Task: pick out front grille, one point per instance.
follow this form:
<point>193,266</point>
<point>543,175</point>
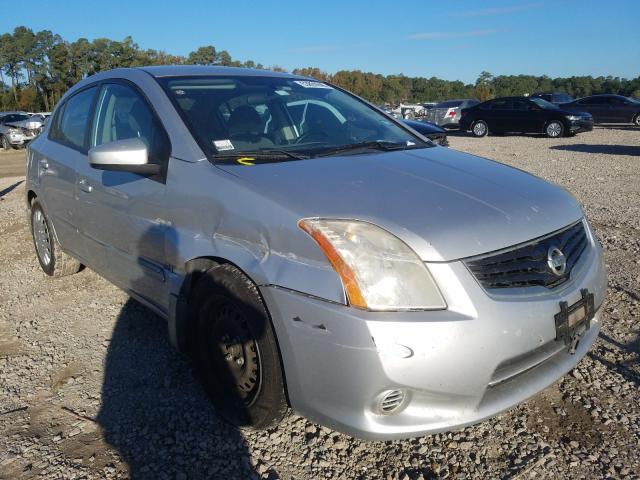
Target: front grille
<point>527,265</point>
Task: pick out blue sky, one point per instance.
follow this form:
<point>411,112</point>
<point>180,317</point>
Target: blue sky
<point>451,39</point>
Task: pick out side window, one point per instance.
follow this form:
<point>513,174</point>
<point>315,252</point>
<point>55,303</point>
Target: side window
<point>501,105</point>
<point>615,101</point>
<point>521,105</point>
<point>593,101</point>
<point>73,120</point>
<point>121,114</point>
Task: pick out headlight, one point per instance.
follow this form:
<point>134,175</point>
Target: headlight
<point>573,118</point>
<point>378,270</point>
<point>13,131</point>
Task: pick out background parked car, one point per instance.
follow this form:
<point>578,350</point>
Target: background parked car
<point>42,116</point>
<point>608,108</point>
<point>554,97</point>
<point>447,114</point>
<point>17,129</point>
<point>433,132</point>
<point>523,115</point>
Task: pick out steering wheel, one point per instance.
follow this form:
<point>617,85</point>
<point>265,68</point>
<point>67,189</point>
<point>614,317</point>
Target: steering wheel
<point>311,134</point>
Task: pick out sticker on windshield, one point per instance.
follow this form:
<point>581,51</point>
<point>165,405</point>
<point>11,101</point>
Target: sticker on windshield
<point>222,145</point>
<point>310,84</point>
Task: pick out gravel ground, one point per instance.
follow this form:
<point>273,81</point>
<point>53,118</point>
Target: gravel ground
<point>90,387</point>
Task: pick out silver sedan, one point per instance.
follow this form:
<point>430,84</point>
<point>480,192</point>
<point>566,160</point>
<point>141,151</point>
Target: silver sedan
<point>311,252</point>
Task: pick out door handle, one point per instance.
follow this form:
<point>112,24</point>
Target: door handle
<point>84,186</point>
<point>44,164</point>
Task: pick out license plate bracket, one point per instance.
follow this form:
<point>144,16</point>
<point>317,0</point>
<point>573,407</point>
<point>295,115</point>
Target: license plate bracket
<point>573,320</point>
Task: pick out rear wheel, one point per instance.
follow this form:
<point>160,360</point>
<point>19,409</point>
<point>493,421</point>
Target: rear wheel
<point>236,349</point>
<point>479,128</point>
<point>53,260</point>
<point>636,120</point>
<point>554,129</point>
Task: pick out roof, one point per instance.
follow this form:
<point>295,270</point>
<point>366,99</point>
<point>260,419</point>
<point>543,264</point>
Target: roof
<point>193,70</point>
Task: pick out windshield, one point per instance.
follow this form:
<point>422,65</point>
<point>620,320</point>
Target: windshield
<point>15,117</point>
<point>541,102</point>
<point>284,117</point>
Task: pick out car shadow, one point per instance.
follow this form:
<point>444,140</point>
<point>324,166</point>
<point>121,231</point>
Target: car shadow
<point>155,413</point>
<point>10,188</point>
<point>624,368</point>
<point>632,150</point>
<point>617,126</point>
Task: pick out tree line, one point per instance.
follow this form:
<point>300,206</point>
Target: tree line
<point>36,68</point>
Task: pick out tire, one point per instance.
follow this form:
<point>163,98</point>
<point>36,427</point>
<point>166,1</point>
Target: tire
<point>53,260</point>
<point>554,129</point>
<point>236,349</point>
<point>636,120</point>
<point>4,143</point>
<point>479,128</point>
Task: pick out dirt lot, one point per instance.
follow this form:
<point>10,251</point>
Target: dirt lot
<point>12,163</point>
<point>90,388</point>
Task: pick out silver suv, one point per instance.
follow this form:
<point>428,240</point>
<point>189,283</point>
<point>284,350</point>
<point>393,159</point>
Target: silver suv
<point>311,252</point>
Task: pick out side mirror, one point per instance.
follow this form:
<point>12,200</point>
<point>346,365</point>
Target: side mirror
<point>130,155</point>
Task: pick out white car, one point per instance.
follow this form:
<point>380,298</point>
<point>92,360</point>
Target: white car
<point>18,129</point>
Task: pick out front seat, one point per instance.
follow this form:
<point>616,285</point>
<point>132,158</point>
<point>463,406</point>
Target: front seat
<point>245,129</point>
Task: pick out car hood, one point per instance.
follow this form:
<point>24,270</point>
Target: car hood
<point>445,204</point>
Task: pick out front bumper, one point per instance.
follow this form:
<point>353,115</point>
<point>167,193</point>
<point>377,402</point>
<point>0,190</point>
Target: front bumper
<point>482,355</point>
<point>577,126</point>
<point>18,139</point>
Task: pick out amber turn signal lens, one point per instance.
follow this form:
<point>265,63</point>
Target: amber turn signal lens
<point>348,278</point>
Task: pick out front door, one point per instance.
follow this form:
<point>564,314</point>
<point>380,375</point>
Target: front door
<point>121,213</point>
<point>597,106</point>
<point>526,116</point>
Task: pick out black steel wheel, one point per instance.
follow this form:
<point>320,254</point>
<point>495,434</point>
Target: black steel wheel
<point>236,349</point>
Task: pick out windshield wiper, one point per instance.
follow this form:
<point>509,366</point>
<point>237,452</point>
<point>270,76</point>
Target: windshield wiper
<point>267,153</point>
<point>375,145</point>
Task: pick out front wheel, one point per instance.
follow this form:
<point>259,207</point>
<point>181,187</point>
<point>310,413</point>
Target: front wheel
<point>53,260</point>
<point>636,120</point>
<point>479,128</point>
<point>236,349</point>
<point>4,143</point>
<point>554,129</point>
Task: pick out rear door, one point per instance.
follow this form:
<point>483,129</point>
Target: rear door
<point>121,213</point>
<point>499,117</point>
<point>56,165</point>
